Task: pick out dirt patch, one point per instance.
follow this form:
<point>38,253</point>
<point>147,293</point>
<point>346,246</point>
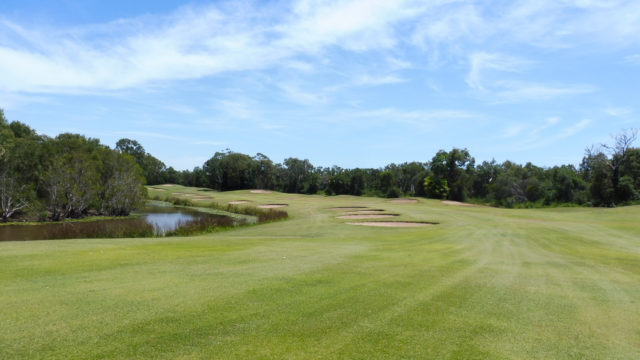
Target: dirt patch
<point>347,207</point>
<point>455,203</point>
<point>404,201</point>
<point>261,191</point>
<point>362,216</point>
<point>238,202</point>
<point>272,206</point>
<point>399,224</point>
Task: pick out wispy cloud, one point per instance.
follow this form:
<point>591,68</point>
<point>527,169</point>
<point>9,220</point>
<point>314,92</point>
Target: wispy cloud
<point>633,59</point>
<point>507,91</point>
<point>421,119</point>
<point>534,136</point>
<point>482,62</point>
<point>487,75</point>
<point>368,80</point>
<point>201,41</point>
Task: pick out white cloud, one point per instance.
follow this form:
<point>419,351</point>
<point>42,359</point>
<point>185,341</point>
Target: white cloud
<point>368,80</point>
<point>507,91</point>
<point>196,42</point>
<point>481,62</point>
<point>619,111</point>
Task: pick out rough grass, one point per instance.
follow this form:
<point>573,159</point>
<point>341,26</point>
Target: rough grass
<point>485,283</point>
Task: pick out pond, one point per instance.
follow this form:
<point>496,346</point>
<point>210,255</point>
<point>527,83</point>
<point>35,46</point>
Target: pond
<point>153,220</point>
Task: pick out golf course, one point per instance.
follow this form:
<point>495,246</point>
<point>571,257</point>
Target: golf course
<point>469,282</point>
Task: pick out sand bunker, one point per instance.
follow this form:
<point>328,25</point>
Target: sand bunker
<point>201,197</point>
<point>404,201</point>
<point>362,216</point>
<point>261,191</point>
<point>347,207</point>
<point>272,206</point>
<point>238,202</point>
<point>400,224</point>
<point>455,203</point>
<point>364,212</point>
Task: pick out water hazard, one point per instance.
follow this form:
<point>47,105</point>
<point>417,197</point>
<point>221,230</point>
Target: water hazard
<point>151,221</point>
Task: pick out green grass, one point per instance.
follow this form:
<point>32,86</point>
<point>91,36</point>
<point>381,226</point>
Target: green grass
<point>560,283</point>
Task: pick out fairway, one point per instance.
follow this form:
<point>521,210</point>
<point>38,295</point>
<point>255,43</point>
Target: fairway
<point>477,283</point>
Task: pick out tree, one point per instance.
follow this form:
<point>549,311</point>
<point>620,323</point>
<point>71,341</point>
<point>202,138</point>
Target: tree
<point>618,153</point>
<point>456,167</point>
<point>123,190</point>
<point>153,170</point>
<point>435,187</point>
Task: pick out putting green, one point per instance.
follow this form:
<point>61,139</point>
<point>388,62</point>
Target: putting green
<point>483,283</point>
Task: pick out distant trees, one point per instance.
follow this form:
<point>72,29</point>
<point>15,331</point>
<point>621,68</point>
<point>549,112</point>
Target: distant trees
<point>450,174</point>
<point>606,177</point>
<point>612,170</point>
<point>64,177</point>
<point>71,176</point>
<point>154,171</point>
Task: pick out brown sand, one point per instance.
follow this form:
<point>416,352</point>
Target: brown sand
<point>261,191</point>
<point>455,203</point>
<point>238,202</point>
<point>272,206</point>
<point>357,217</point>
<point>404,201</point>
<point>390,224</point>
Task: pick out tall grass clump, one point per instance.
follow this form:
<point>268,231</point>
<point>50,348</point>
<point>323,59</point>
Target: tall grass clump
<point>204,225</point>
<point>263,215</point>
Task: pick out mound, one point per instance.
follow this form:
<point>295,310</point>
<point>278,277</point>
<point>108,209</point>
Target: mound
<point>272,206</point>
<point>261,191</point>
<point>391,224</point>
<point>404,201</point>
<point>362,216</point>
<point>238,202</point>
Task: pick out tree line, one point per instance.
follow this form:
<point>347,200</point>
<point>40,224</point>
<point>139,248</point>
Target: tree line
<point>69,176</point>
<point>608,175</point>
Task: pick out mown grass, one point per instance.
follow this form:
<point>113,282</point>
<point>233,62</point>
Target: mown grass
<point>560,283</point>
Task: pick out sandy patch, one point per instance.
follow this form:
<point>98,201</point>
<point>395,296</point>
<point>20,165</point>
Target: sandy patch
<point>261,191</point>
<point>238,202</point>
<point>364,212</point>
<point>455,203</point>
<point>404,201</point>
<point>201,197</point>
<point>272,206</point>
<point>156,189</point>
<point>391,224</point>
<point>347,208</point>
<point>358,217</point>
<point>166,185</point>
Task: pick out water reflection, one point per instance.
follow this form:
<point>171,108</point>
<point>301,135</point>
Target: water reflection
<point>153,220</point>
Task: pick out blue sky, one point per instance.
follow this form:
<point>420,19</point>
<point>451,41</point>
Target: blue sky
<point>359,83</point>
